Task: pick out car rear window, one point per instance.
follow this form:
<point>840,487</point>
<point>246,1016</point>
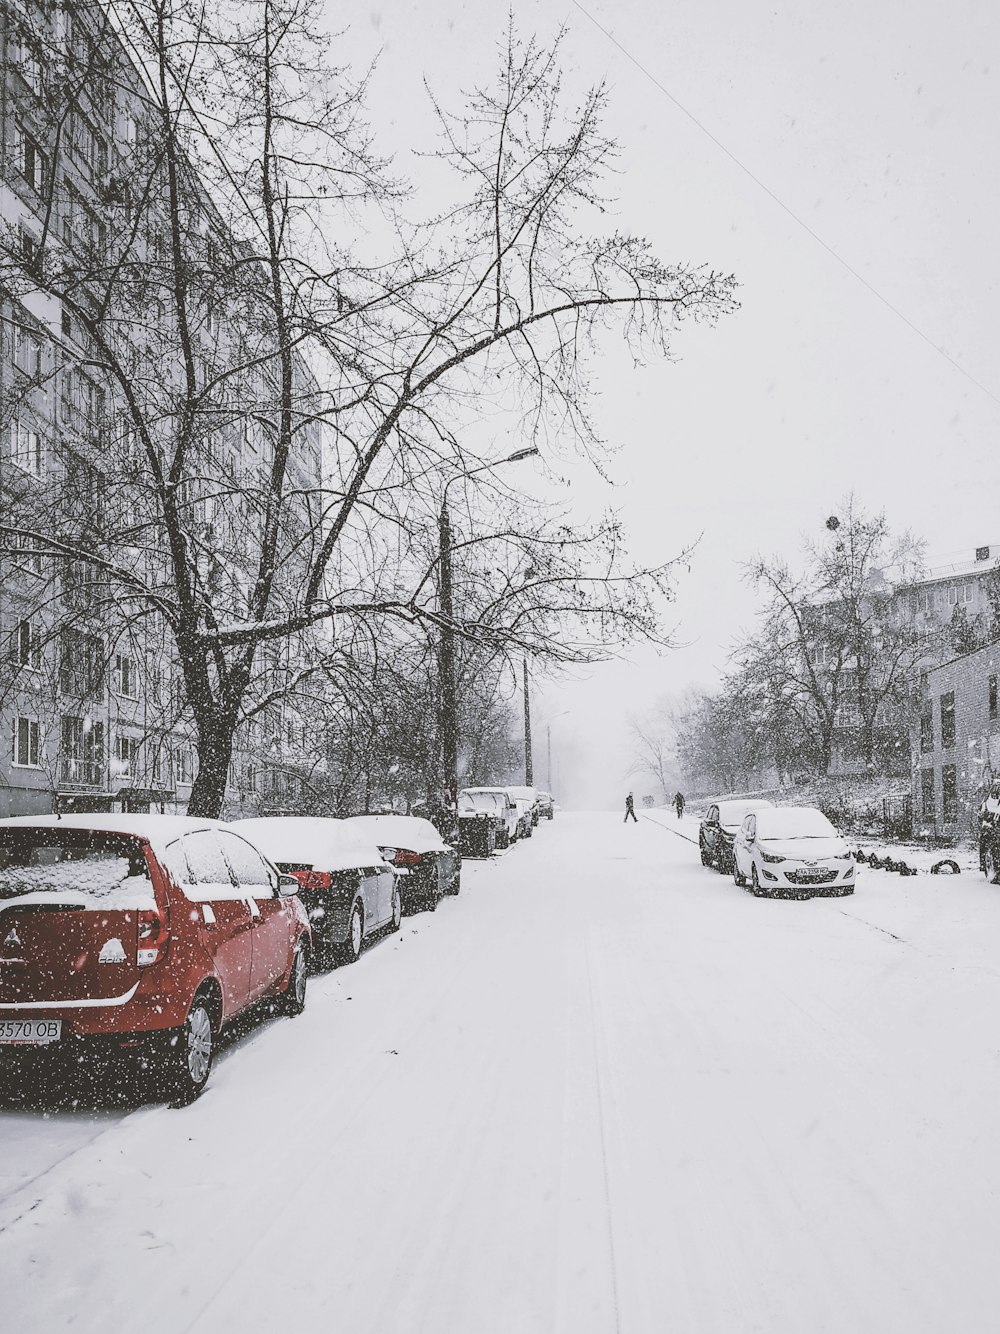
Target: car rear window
<point>94,869</point>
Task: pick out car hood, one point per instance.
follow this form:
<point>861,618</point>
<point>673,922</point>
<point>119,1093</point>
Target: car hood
<point>804,849</point>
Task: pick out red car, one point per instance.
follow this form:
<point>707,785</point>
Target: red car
<point>140,933</point>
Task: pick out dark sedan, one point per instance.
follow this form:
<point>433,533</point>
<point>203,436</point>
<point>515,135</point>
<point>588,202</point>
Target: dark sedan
<point>427,866</point>
<point>718,829</point>
<point>349,891</point>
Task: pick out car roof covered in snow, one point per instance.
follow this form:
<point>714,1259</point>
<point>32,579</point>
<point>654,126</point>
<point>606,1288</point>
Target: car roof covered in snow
<point>411,832</point>
<point>325,842</point>
<point>794,822</point>
<point>154,828</point>
<point>523,793</point>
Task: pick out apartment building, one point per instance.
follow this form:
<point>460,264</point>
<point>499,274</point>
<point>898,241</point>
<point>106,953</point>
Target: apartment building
<point>92,706</point>
<point>956,741</point>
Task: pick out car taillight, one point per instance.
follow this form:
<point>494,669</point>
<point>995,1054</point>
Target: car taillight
<point>153,937</point>
<point>313,879</point>
<point>404,857</point>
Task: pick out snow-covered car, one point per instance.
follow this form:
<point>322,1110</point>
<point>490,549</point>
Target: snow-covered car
<point>527,814</point>
<point>530,796</point>
<point>497,800</point>
<point>347,888</point>
<point>546,806</point>
<point>719,827</point>
<point>792,852</point>
<point>427,866</point>
<point>141,934</point>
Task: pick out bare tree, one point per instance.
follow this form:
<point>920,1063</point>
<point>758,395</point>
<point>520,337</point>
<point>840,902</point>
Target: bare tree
<point>259,404</point>
<point>837,646</point>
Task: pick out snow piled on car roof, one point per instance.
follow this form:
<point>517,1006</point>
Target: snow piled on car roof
<point>401,831</point>
<point>327,844</point>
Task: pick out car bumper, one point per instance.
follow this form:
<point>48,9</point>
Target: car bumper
<point>786,884</point>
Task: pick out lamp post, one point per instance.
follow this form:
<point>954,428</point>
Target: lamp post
<point>448,685</point>
<point>529,777</point>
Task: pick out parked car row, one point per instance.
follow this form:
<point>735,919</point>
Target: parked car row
<point>776,851</point>
<point>148,934</point>
<point>492,818</point>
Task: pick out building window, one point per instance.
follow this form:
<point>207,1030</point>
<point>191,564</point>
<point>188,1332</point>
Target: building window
<point>125,676</point>
<point>127,755</point>
<point>27,749</point>
<point>34,163</point>
<point>992,696</point>
<point>184,764</point>
<point>28,352</point>
<point>28,645</point>
<point>926,731</point>
<point>948,720</point>
<point>25,58</point>
<point>949,791</point>
<point>31,558</point>
<point>81,665</point>
<point>26,448</point>
<point>82,751</point>
<point>927,794</point>
<point>968,592</point>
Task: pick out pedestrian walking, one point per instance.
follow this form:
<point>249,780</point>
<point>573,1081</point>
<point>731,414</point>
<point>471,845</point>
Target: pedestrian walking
<point>679,803</point>
<point>630,809</point>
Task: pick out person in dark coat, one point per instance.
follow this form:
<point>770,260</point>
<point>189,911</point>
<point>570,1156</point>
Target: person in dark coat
<point>630,809</point>
<point>679,803</point>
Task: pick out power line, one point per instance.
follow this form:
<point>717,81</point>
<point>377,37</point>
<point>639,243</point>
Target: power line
<point>785,207</point>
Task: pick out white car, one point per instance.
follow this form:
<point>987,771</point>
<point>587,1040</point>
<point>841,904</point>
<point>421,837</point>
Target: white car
<point>525,799</point>
<point>792,852</point>
<point>493,799</point>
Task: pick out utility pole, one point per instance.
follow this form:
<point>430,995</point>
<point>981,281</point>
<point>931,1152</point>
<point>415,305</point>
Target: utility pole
<point>528,775</point>
<point>548,757</point>
<point>448,684</point>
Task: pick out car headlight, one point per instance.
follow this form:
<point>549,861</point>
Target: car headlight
<point>770,857</point>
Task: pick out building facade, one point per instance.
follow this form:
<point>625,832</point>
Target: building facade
<point>93,713</point>
<point>956,742</point>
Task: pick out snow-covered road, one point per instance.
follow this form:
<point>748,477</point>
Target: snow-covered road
<point>603,1090</point>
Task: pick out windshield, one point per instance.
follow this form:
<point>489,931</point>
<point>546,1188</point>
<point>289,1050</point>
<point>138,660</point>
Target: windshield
<point>477,801</point>
<point>794,823</point>
<point>77,863</point>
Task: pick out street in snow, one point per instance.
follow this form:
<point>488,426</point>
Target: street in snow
<point>601,1090</point>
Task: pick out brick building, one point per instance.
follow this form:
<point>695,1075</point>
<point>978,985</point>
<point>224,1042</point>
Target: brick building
<point>956,741</point>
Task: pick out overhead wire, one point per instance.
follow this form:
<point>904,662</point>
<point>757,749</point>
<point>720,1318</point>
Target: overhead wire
<point>957,365</point>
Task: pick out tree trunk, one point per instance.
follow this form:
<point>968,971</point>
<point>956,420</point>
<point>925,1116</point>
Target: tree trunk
<point>215,751</point>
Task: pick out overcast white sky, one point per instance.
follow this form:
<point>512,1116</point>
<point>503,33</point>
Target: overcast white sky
<point>874,122</point>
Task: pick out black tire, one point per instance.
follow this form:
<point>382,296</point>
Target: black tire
<point>755,883</point>
<point>397,909</point>
<point>293,999</point>
<point>456,882</point>
<point>706,856</point>
<point>740,881</point>
<point>190,1051</point>
<point>991,862</point>
<point>350,950</point>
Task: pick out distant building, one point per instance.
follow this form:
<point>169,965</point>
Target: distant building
<point>956,741</point>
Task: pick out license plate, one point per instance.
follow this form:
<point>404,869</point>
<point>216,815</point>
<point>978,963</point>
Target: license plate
<point>33,1032</point>
<point>815,875</point>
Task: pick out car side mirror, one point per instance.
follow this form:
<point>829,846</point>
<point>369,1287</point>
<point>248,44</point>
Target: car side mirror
<point>287,886</point>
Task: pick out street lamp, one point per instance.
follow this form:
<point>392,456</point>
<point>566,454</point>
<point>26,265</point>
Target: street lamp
<point>446,655</point>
